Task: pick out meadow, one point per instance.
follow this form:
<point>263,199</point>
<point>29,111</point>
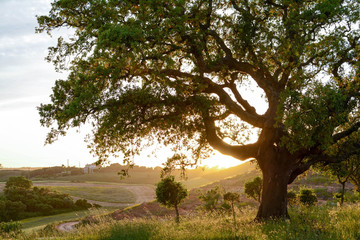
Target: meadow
<point>110,193</point>
<point>310,223</point>
<point>324,221</point>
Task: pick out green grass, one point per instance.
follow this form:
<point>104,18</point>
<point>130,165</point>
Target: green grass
<point>36,223</point>
<point>138,178</point>
<point>316,223</point>
<point>115,194</point>
<point>195,177</point>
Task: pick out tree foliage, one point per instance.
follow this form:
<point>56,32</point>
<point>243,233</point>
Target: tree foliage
<point>346,163</point>
<point>18,183</point>
<point>307,196</point>
<point>170,193</point>
<point>177,73</point>
<point>232,198</point>
<point>212,199</point>
<point>253,189</point>
<point>21,200</point>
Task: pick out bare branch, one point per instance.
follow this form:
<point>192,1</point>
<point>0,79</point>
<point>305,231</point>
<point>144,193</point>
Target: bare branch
<point>241,100</point>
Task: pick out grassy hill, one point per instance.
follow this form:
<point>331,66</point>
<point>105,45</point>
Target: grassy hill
<point>152,221</point>
<point>141,175</point>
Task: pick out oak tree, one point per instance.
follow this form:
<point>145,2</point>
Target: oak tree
<point>177,73</point>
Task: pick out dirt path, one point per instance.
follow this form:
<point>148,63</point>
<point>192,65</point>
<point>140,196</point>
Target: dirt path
<point>67,226</point>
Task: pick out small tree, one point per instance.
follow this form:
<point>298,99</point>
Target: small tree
<point>307,196</point>
<point>346,165</point>
<point>170,194</point>
<point>253,189</point>
<point>211,198</point>
<point>232,197</point>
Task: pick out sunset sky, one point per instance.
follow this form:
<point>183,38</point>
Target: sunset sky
<point>25,82</point>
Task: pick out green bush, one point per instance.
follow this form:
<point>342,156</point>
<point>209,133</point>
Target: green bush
<point>18,182</point>
<point>82,204</point>
<point>11,226</point>
<point>44,208</point>
<point>212,199</point>
<point>307,196</point>
<point>21,200</point>
<point>291,197</point>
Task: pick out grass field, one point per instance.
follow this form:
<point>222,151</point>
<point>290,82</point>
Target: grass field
<point>111,193</point>
<point>195,177</point>
<point>315,223</point>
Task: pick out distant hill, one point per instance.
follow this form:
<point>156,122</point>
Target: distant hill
<point>221,174</point>
<point>6,173</point>
<point>137,175</point>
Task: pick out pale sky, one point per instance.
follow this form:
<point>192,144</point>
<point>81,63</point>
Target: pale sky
<point>26,80</point>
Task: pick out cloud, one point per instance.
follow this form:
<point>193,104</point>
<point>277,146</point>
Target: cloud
<point>23,70</point>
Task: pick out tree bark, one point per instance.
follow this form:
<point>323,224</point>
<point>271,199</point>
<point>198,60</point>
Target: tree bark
<point>273,201</point>
<point>277,167</point>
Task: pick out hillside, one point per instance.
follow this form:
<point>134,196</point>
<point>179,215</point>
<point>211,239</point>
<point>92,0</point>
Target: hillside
<point>137,175</point>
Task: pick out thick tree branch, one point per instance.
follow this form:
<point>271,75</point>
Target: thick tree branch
<point>241,152</point>
<point>241,100</point>
<point>347,132</point>
<point>221,43</point>
<point>250,118</point>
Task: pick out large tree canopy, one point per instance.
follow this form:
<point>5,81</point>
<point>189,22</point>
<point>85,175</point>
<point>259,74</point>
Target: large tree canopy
<point>143,71</point>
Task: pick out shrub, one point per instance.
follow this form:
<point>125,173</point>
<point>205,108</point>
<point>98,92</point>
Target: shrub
<point>307,196</point>
<point>18,182</point>
<point>82,204</point>
<point>11,226</point>
<point>212,199</point>
<point>56,203</point>
<point>291,197</point>
<point>14,209</point>
<point>44,208</point>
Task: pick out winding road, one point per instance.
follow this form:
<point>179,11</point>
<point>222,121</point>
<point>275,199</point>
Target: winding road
<point>143,193</point>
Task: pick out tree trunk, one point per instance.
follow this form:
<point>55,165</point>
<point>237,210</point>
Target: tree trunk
<point>177,217</point>
<point>233,212</point>
<point>342,193</point>
<point>273,201</point>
